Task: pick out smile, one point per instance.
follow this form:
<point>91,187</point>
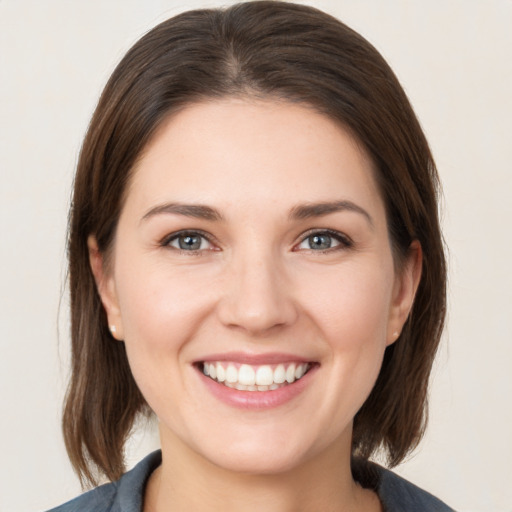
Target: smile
<point>245,377</point>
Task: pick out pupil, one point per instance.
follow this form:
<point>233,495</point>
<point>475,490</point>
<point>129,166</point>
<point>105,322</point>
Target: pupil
<point>190,242</point>
<point>320,241</point>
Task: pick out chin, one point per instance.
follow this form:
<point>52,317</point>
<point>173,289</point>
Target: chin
<point>259,452</point>
<point>258,462</point>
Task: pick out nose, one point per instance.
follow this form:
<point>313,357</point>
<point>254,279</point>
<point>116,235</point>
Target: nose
<point>257,298</point>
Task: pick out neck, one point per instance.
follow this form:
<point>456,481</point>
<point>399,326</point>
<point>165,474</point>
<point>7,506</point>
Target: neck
<point>186,481</point>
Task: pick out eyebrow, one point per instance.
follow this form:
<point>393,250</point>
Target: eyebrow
<point>197,211</point>
<point>298,212</point>
<point>311,210</point>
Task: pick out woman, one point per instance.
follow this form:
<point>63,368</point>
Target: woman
<point>255,257</point>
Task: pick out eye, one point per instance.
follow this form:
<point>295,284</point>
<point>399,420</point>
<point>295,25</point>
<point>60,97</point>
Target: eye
<point>190,241</point>
<point>324,241</point>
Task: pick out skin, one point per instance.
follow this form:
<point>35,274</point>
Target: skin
<point>257,286</point>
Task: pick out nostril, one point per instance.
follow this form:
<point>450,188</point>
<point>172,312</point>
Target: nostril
<point>257,317</point>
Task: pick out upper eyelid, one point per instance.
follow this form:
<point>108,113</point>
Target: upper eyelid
<point>342,237</point>
<point>171,236</point>
<point>344,242</point>
<point>332,232</point>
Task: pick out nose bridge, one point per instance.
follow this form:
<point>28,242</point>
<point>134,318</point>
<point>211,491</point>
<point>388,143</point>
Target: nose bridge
<point>257,295</point>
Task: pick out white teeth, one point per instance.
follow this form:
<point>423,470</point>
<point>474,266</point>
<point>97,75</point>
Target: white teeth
<point>246,375</point>
<point>279,374</point>
<point>221,373</point>
<point>290,373</point>
<point>231,374</point>
<point>264,376</point>
<point>255,378</point>
<point>300,371</point>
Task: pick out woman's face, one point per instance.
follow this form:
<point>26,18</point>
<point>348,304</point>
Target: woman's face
<point>253,247</point>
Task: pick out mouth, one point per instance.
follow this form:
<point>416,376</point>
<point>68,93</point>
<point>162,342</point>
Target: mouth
<point>255,378</point>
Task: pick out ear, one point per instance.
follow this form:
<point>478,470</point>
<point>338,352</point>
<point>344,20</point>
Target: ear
<point>404,291</point>
<point>106,288</point>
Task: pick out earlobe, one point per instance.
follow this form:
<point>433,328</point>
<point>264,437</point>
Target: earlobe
<point>406,285</point>
<point>106,288</point>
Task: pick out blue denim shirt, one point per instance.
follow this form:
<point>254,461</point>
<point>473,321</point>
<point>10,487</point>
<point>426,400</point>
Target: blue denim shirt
<point>126,495</point>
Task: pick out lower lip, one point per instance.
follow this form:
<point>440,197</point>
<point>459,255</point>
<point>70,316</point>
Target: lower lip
<point>257,400</point>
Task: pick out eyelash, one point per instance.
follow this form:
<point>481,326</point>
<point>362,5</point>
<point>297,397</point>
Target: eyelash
<point>344,241</point>
<point>166,241</point>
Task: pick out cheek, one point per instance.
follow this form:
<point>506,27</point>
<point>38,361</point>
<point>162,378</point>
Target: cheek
<point>160,308</point>
<point>160,316</point>
<point>353,308</point>
<point>353,316</point>
<point>161,312</point>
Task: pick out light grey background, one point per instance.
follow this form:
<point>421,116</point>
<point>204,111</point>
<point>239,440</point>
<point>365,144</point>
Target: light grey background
<point>454,59</point>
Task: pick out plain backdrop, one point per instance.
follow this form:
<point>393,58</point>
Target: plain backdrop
<point>453,58</point>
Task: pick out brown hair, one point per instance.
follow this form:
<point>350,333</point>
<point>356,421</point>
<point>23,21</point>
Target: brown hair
<point>271,50</point>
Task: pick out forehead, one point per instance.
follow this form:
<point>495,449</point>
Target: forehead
<point>252,152</point>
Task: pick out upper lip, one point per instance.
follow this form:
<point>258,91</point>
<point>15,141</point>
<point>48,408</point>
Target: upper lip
<point>254,359</point>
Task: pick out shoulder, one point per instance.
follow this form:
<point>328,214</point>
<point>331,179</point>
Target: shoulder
<point>399,495</point>
<point>98,500</point>
<point>395,493</point>
<point>124,495</point>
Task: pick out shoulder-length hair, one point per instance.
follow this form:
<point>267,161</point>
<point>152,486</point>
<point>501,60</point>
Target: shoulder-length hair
<point>266,49</point>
